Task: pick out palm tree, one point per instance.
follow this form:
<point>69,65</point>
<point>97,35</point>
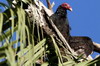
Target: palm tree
<point>28,38</point>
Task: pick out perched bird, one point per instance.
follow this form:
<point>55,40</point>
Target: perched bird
<point>61,21</point>
<point>82,45</point>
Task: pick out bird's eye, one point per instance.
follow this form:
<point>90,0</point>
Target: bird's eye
<point>65,5</point>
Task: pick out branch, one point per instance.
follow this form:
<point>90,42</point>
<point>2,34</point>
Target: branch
<point>96,47</point>
<point>49,27</point>
<point>50,6</point>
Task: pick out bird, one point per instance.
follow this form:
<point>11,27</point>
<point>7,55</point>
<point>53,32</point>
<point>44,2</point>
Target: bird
<point>60,19</point>
<point>82,45</point>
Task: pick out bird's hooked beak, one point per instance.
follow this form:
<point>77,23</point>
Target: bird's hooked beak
<point>70,9</point>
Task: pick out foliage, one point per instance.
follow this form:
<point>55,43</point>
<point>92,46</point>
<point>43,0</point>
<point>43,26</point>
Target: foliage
<point>24,43</point>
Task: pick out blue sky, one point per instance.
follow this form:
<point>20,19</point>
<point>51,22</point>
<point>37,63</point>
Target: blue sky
<point>85,18</point>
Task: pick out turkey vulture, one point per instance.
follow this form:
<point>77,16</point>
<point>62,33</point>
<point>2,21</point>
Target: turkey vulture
<point>82,45</point>
<point>61,21</point>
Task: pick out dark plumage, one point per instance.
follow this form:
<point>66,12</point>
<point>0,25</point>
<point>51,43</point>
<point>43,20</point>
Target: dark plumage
<point>81,45</point>
<point>61,21</point>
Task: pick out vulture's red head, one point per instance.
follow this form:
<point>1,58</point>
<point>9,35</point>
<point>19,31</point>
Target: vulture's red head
<point>66,6</point>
